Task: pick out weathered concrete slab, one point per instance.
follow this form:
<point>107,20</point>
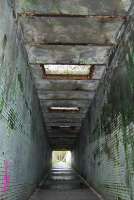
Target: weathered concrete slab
<point>68,130</point>
<point>75,30</point>
<point>62,120</point>
<point>63,147</point>
<point>70,95</point>
<point>52,124</point>
<point>60,147</point>
<point>62,141</point>
<point>62,131</point>
<point>65,116</point>
<point>62,115</point>
<point>61,135</point>
<point>77,7</point>
<point>52,128</point>
<point>61,54</point>
<point>62,144</point>
<point>65,85</point>
<point>65,103</point>
<point>68,119</point>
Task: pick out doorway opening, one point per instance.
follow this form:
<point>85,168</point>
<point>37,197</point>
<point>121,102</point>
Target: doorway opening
<point>61,159</point>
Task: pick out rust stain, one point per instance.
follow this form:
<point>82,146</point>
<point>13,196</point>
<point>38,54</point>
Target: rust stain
<point>65,77</point>
<point>99,17</point>
<point>111,18</point>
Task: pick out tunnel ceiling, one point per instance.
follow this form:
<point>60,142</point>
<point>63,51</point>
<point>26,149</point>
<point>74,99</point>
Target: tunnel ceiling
<point>69,44</point>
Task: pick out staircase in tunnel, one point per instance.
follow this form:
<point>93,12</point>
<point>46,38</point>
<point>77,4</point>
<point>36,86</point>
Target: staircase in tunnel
<point>63,183</point>
<point>69,45</point>
<point>67,84</point>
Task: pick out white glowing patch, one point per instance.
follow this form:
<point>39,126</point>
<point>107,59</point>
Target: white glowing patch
<point>61,159</point>
<point>65,126</point>
<point>67,69</point>
<point>53,108</point>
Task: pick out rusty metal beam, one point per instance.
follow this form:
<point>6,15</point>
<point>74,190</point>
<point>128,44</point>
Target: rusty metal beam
<point>66,77</point>
<point>99,17</point>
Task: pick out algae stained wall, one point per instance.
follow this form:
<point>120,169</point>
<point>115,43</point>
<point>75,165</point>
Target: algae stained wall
<point>23,145</point>
<point>106,147</point>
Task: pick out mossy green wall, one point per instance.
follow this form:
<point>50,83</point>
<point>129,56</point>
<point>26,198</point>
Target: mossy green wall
<point>107,139</point>
<point>23,144</point>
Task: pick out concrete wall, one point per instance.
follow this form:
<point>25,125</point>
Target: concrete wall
<point>106,147</point>
<point>23,145</point>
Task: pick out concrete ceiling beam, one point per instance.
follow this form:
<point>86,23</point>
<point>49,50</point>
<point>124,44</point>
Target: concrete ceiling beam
<point>70,54</point>
<point>67,30</point>
<point>64,95</point>
<point>67,85</point>
<point>69,7</point>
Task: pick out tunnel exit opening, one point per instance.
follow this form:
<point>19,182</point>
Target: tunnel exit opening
<point>61,159</point>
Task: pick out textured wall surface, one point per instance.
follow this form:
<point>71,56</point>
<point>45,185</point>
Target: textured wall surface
<point>107,138</point>
<point>23,154</point>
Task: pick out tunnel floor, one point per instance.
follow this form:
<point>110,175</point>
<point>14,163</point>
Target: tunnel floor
<point>63,184</point>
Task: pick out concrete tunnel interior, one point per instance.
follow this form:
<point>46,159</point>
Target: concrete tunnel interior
<point>66,100</point>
